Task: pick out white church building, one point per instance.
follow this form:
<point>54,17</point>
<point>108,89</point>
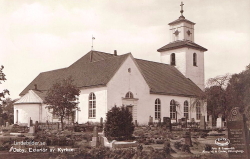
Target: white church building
<point>170,88</point>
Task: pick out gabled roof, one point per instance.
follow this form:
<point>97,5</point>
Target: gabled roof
<point>93,69</point>
<point>180,44</point>
<point>30,97</point>
<point>166,79</point>
<point>97,68</point>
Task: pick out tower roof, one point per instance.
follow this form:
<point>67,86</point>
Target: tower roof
<point>180,44</point>
<point>181,19</point>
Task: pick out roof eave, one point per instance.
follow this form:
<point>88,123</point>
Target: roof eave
<point>173,94</point>
<point>181,46</point>
<point>28,103</point>
<point>179,21</point>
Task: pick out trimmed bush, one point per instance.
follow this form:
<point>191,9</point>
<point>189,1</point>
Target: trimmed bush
<point>119,123</point>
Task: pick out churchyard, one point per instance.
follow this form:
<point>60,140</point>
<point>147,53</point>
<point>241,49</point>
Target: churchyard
<point>187,140</point>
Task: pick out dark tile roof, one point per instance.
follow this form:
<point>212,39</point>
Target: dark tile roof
<point>84,72</point>
<point>166,79</point>
<point>180,44</point>
<point>161,78</point>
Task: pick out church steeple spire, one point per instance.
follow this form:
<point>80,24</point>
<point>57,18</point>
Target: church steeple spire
<point>182,17</point>
<point>182,52</point>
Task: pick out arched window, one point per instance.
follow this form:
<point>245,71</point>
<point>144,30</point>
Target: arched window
<point>129,95</point>
<point>92,105</point>
<point>172,109</point>
<point>194,59</point>
<point>157,108</point>
<point>172,59</point>
<point>186,109</point>
<point>198,110</point>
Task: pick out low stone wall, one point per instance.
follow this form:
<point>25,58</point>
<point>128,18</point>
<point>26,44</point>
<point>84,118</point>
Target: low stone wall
<point>116,144</point>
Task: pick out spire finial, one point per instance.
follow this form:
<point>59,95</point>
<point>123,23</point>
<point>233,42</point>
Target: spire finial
<point>92,47</point>
<point>182,8</point>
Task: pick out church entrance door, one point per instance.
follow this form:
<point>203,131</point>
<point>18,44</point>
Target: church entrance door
<point>131,104</point>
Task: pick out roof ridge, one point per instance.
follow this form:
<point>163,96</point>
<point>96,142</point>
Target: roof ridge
<point>154,62</point>
<point>111,57</point>
<point>54,70</point>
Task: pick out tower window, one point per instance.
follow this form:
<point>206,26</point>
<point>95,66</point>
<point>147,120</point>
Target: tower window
<point>172,59</point>
<point>194,59</point>
<point>129,95</point>
<point>186,109</point>
<point>172,109</point>
<point>157,108</point>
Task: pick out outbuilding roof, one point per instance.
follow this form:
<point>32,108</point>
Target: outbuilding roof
<point>97,68</point>
<point>31,97</point>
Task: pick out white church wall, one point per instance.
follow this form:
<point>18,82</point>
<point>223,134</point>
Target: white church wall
<point>82,116</point>
<point>35,112</point>
<point>182,28</point>
<point>124,81</point>
<point>195,73</point>
<point>180,59</point>
<point>203,109</point>
<point>46,114</point>
<point>22,115</point>
<point>165,107</point>
<point>184,63</point>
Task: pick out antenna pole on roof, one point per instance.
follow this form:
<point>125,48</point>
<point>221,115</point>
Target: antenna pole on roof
<point>93,38</point>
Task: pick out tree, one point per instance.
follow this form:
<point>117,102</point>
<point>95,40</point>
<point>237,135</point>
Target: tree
<point>8,110</point>
<point>228,91</point>
<point>3,78</point>
<point>238,91</point>
<point>119,123</point>
<point>216,95</point>
<point>62,98</point>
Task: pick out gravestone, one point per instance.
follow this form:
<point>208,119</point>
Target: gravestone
<point>1,121</point>
<point>187,137</point>
<point>150,120</point>
<point>101,122</point>
<point>28,123</point>
<point>159,122</point>
<point>32,130</point>
<point>136,124</point>
<point>210,123</point>
<point>94,142</point>
<point>202,123</point>
<point>183,123</point>
<point>238,135</point>
<point>7,124</point>
<point>36,126</point>
<point>219,123</point>
<point>31,122</point>
<point>167,123</point>
<point>192,120</point>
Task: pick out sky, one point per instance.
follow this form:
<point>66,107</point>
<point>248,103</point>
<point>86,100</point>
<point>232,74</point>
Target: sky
<point>38,36</point>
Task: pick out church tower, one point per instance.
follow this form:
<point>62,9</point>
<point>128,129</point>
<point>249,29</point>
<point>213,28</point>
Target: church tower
<point>182,52</point>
